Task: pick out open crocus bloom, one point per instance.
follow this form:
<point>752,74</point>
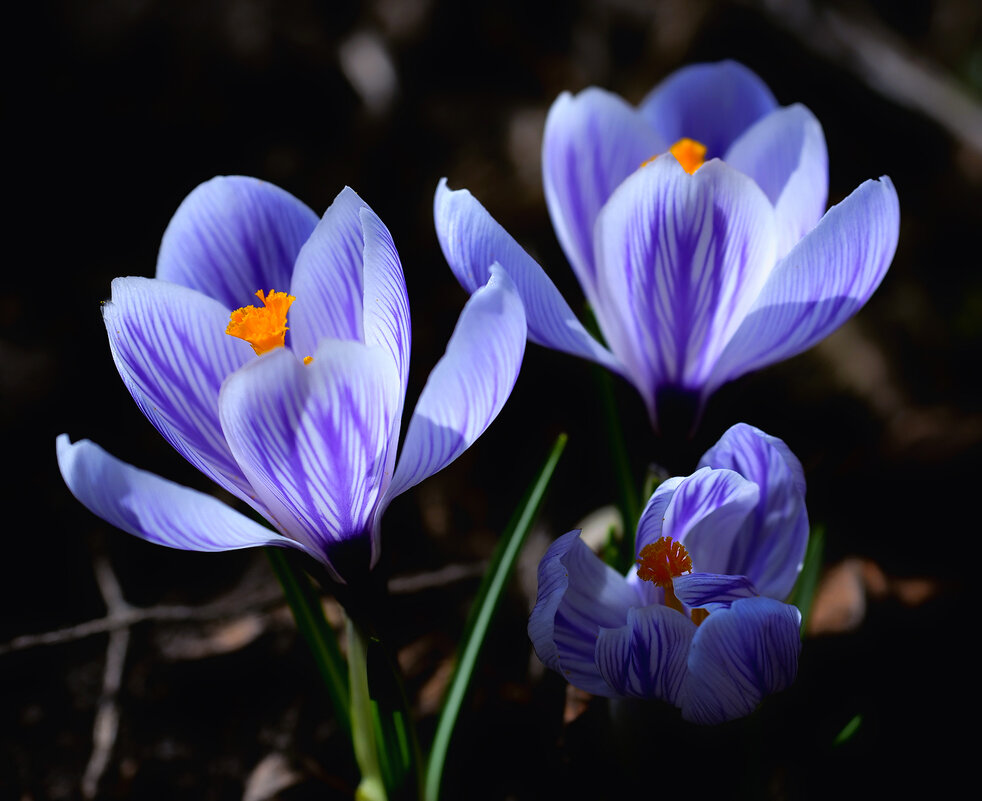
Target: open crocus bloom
<point>293,404</point>
<point>703,263</point>
<point>700,623</point>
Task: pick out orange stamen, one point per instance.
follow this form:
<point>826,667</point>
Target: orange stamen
<point>264,327</point>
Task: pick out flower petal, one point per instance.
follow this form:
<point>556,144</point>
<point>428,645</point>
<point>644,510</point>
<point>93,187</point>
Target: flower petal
<point>712,589</point>
<point>707,512</point>
<point>233,235</point>
<point>771,546</point>
<point>578,596</point>
<point>328,280</point>
<point>153,508</point>
<point>785,154</point>
<point>592,142</point>
<point>469,385</point>
<point>712,103</point>
<point>646,658</point>
<point>652,519</point>
<point>170,347</point>
<point>472,241</point>
<point>738,656</point>
<point>313,440</point>
<point>821,283</point>
<point>681,258</point>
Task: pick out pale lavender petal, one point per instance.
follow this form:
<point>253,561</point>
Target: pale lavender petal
<point>328,282</point>
<point>154,509</point>
<point>313,438</point>
<point>771,546</point>
<point>821,283</point>
<point>646,658</point>
<point>232,236</point>
<point>707,512</point>
<point>468,386</point>
<point>171,349</point>
<point>711,103</point>
<point>681,258</point>
<point>785,154</point>
<point>578,596</point>
<point>472,241</point>
<point>738,656</point>
<point>712,589</point>
<point>592,142</point>
<point>653,517</point>
<point>387,322</point>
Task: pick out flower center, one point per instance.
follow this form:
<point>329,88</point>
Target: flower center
<point>264,327</point>
<point>688,152</point>
<point>661,561</point>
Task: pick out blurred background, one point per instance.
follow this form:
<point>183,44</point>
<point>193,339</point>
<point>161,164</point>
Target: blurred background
<point>132,671</point>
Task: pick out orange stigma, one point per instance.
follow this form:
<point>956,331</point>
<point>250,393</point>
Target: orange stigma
<point>264,327</point>
<point>688,152</point>
<point>662,560</point>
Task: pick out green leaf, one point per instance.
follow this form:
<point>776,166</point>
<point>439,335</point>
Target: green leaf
<point>848,731</point>
<point>804,589</point>
<point>305,603</point>
<point>395,735</point>
<point>482,611</point>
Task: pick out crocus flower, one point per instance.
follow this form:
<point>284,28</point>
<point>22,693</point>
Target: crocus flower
<point>300,421</point>
<point>695,226</point>
<point>701,622</point>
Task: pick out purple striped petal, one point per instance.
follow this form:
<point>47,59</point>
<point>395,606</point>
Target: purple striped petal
<point>592,142</point>
<point>472,241</point>
<point>712,103</point>
<point>771,545</point>
<point>313,439</point>
<point>170,347</point>
<point>712,590</point>
<point>328,281</point>
<point>683,257</point>
<point>738,656</point>
<point>469,385</point>
<point>387,322</point>
<point>785,154</point>
<point>154,509</point>
<point>821,283</point>
<point>349,285</point>
<point>707,512</point>
<point>646,658</point>
<point>578,596</point>
<point>233,235</point>
<point>652,519</point>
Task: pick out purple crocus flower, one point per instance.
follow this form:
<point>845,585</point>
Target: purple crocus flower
<point>701,622</point>
<point>300,421</point>
<point>713,259</point>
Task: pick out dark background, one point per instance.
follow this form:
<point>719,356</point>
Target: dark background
<point>113,111</point>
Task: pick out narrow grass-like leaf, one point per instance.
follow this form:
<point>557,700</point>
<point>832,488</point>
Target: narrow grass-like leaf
<point>305,603</point>
<point>848,731</point>
<point>482,611</point>
<point>804,589</point>
<point>395,734</point>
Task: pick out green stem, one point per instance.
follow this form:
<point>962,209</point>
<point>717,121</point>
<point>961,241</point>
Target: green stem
<point>305,603</point>
<point>627,496</point>
<point>371,787</point>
